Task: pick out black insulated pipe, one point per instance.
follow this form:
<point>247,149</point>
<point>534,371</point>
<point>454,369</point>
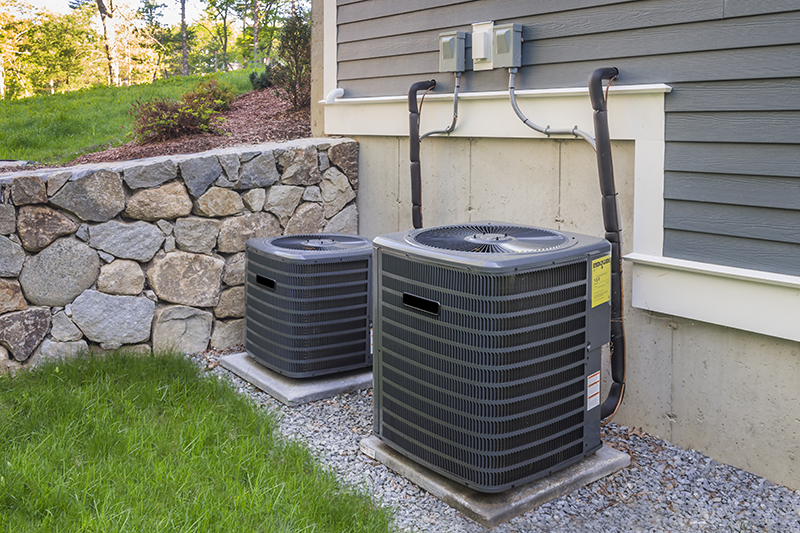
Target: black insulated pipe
<point>611,222</point>
<point>413,147</point>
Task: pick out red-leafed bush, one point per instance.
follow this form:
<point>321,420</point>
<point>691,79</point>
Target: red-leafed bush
<point>196,112</point>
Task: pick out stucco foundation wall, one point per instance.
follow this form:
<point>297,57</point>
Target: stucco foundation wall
<point>147,255</point>
<point>731,394</point>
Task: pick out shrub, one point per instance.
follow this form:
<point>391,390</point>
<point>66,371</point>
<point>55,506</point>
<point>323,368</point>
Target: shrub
<point>196,112</point>
<point>263,80</point>
<point>293,71</point>
<point>211,94</point>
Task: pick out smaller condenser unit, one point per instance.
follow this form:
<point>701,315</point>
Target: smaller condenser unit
<point>487,349</point>
<point>308,307</point>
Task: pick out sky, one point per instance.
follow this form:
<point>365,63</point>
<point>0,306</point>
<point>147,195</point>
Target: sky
<point>171,14</point>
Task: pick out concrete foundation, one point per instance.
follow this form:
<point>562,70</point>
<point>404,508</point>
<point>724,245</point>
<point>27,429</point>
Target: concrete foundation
<point>490,510</point>
<point>295,391</point>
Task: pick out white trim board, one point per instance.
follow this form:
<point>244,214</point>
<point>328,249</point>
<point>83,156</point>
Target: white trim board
<point>738,298</point>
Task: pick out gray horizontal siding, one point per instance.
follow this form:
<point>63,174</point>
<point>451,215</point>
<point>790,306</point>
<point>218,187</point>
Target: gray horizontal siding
<point>779,127</point>
<point>732,180</point>
<point>759,223</point>
<point>556,19</point>
<point>397,19</point>
<point>741,8</point>
<point>356,11</point>
<point>739,95</point>
<point>750,32</point>
<point>718,65</point>
<point>768,256</point>
<point>755,191</point>
<point>744,159</point>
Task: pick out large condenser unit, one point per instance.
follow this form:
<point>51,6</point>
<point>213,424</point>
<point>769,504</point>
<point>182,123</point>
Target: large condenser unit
<point>487,349</point>
<point>308,307</point>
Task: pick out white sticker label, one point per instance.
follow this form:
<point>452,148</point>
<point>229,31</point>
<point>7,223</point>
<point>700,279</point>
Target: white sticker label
<point>370,341</point>
<point>593,391</point>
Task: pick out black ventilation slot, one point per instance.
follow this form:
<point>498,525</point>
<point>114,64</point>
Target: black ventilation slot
<point>266,282</point>
<point>421,304</point>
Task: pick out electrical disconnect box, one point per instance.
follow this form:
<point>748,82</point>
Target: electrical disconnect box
<point>507,44</point>
<point>451,51</point>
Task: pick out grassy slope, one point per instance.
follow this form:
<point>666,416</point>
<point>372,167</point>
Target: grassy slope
<point>128,443</point>
<point>57,128</point>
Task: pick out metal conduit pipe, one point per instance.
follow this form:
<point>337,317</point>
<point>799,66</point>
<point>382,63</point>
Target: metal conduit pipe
<point>611,221</point>
<point>413,147</point>
<point>452,126</point>
<point>512,75</point>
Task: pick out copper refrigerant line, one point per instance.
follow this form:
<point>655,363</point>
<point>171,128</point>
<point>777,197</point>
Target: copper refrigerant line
<point>601,143</point>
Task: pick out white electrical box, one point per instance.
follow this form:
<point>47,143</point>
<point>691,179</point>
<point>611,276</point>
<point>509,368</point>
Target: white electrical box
<point>482,37</point>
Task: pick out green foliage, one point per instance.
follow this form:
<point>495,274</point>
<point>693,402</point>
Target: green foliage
<point>129,443</point>
<point>56,50</point>
<point>269,16</point>
<point>262,80</point>
<point>57,128</point>
<point>222,11</point>
<point>293,70</point>
<point>196,112</point>
<point>212,94</point>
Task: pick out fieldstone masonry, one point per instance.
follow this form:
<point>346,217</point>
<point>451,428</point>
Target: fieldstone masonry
<point>149,254</point>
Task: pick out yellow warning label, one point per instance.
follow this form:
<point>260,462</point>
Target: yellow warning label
<point>601,280</point>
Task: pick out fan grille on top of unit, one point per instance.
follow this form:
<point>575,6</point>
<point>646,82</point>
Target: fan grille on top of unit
<point>491,239</point>
<point>320,242</point>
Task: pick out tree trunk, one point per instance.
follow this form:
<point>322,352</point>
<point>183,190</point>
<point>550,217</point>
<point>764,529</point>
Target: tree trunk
<point>110,37</point>
<point>2,80</point>
<point>184,48</point>
<point>225,42</point>
<point>255,30</point>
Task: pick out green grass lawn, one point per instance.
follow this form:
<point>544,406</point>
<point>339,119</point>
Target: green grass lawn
<point>57,128</point>
<point>146,444</point>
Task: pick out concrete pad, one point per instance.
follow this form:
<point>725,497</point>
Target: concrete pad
<point>490,510</point>
<point>295,391</point>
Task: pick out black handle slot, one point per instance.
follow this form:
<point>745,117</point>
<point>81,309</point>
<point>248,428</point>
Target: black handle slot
<point>421,304</point>
<point>266,282</point>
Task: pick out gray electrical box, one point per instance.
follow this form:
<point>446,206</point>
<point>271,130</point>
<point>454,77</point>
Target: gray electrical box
<point>451,51</point>
<point>507,46</point>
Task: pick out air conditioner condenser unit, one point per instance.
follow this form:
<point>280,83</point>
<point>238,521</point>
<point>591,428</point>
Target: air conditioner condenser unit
<point>487,349</point>
<point>308,307</point>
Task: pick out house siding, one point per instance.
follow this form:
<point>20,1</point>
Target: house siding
<point>732,120</point>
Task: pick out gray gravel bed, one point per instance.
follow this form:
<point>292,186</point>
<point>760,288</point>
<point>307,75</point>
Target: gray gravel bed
<point>665,488</point>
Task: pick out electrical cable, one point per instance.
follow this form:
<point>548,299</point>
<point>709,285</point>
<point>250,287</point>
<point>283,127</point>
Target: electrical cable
<point>512,75</point>
<point>448,130</point>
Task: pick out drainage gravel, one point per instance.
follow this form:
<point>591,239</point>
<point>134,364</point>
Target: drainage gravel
<point>665,488</point>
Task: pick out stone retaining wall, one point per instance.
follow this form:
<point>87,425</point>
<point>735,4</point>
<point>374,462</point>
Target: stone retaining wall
<point>150,253</point>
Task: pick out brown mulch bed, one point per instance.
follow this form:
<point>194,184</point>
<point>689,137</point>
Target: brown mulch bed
<point>254,117</point>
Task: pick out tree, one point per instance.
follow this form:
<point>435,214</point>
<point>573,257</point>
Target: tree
<point>56,50</point>
<point>150,13</point>
<point>13,31</point>
<point>223,12</point>
<point>293,72</point>
<point>256,40</point>
<point>184,43</point>
<point>255,29</point>
<point>107,12</point>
